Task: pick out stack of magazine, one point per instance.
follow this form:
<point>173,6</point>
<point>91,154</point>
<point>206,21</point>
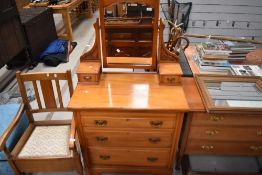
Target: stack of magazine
<point>212,57</point>
<point>239,50</point>
<point>215,57</point>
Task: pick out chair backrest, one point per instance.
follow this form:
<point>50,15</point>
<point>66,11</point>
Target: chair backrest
<point>44,85</point>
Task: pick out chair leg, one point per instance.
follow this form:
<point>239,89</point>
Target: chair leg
<point>11,163</point>
<point>79,167</point>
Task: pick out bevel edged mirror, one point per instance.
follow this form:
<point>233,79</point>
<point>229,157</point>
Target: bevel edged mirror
<point>231,94</point>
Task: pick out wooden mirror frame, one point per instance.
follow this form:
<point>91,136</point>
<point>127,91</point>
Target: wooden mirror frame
<point>208,102</point>
<point>151,63</point>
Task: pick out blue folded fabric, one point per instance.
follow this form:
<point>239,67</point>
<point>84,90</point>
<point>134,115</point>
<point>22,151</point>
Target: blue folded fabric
<point>7,114</point>
<point>55,47</point>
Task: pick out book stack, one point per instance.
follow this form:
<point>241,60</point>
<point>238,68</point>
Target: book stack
<point>212,57</point>
<point>239,50</point>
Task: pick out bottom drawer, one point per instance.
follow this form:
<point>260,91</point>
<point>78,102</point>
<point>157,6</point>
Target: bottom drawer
<point>131,157</point>
<point>224,148</point>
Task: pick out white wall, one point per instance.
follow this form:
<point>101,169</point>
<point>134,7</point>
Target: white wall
<point>239,18</point>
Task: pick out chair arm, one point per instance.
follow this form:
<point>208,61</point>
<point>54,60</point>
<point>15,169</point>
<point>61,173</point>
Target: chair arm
<point>12,125</point>
<point>72,134</point>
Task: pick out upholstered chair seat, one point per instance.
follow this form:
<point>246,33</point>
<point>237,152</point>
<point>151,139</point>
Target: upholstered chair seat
<point>47,141</point>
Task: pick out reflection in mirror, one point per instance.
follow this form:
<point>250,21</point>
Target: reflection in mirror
<point>235,94</point>
<point>129,33</point>
<point>131,13</point>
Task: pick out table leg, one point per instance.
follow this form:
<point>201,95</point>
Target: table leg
<point>67,23</point>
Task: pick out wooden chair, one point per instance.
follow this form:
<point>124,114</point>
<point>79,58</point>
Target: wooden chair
<point>46,145</point>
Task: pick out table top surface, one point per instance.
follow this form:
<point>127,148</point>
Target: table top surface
<point>129,92</point>
<point>67,6</point>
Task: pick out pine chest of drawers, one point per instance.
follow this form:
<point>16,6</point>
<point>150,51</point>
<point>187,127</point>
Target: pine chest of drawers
<point>128,124</point>
<point>224,134</point>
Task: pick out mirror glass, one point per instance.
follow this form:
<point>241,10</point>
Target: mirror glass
<point>129,34</point>
<point>235,94</point>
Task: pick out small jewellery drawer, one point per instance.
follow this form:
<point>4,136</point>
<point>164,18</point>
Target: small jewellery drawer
<point>130,157</point>
<point>127,122</point>
<point>88,77</point>
<point>226,133</point>
<point>170,79</point>
<point>226,119</point>
<point>128,138</point>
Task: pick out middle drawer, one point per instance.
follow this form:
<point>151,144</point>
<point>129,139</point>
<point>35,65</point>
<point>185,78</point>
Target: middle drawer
<point>118,138</point>
<point>226,133</point>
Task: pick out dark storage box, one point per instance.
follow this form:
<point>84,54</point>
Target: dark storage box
<point>39,28</point>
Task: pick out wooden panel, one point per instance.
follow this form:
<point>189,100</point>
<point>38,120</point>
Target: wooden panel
<point>224,148</point>
<point>130,43</point>
<point>223,119</point>
<point>48,93</point>
<point>130,157</point>
<point>129,60</point>
<point>127,122</point>
<point>226,133</point>
<point>150,139</point>
<point>192,94</point>
<point>89,71</point>
<point>170,69</point>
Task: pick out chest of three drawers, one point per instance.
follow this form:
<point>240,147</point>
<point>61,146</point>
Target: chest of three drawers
<point>224,134</point>
<point>130,140</point>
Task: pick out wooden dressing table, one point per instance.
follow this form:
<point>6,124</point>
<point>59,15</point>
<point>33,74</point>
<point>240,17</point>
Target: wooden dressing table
<point>128,123</point>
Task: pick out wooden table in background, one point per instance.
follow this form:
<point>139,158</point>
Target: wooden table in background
<point>65,9</point>
<point>252,58</point>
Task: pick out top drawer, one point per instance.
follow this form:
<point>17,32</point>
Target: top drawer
<point>226,119</point>
<point>128,122</point>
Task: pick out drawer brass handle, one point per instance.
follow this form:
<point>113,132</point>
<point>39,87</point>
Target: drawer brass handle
<point>259,133</point>
<point>171,79</point>
<point>256,148</point>
<point>207,148</point>
<point>100,122</point>
<point>152,159</point>
<point>101,139</point>
<point>104,157</point>
<point>211,132</point>
<point>87,77</point>
<point>156,124</point>
<point>216,118</point>
<point>154,140</point>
